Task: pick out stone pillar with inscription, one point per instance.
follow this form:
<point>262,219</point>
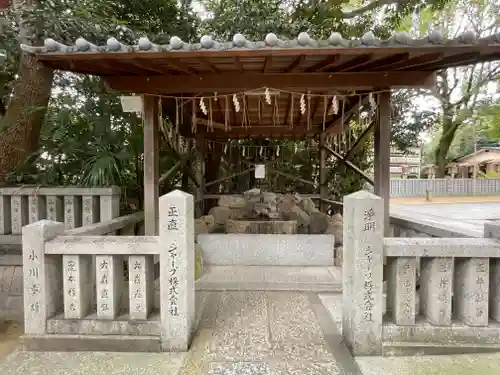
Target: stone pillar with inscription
<point>42,277</point>
<point>401,289</point>
<point>109,282</point>
<point>177,299</point>
<point>37,208</point>
<point>90,210</point>
<point>5,211</point>
<point>492,230</point>
<point>436,283</point>
<point>471,284</point>
<point>362,298</point>
<point>19,212</point>
<point>141,288</point>
<point>72,211</point>
<point>55,208</point>
<point>77,287</point>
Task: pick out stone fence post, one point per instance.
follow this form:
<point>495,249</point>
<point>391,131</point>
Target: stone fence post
<point>42,276</point>
<point>492,230</point>
<point>362,293</point>
<point>177,294</point>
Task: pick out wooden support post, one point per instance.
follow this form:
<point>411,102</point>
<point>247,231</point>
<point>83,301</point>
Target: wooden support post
<point>151,164</point>
<point>382,141</point>
<point>200,176</point>
<point>323,191</point>
<point>186,168</point>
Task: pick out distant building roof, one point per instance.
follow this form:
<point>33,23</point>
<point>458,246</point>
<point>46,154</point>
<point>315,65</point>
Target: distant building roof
<point>481,150</point>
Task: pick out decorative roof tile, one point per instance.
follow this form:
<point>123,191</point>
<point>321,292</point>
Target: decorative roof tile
<point>240,42</point>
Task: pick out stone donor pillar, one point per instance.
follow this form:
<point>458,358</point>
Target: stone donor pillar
<point>42,276</point>
<point>177,301</point>
<point>362,269</point>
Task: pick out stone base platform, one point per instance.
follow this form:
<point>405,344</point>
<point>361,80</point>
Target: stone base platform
<point>267,249</point>
<point>92,343</point>
<point>280,278</point>
<point>262,226</point>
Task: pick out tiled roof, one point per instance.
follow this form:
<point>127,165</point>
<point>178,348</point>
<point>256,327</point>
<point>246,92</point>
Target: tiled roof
<point>240,42</point>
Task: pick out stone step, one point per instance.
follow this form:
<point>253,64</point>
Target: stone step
<point>441,348</point>
<point>271,278</point>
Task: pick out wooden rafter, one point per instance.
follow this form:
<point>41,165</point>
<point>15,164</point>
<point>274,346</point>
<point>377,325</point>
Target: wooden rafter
<point>348,164</point>
<point>295,64</point>
<point>234,82</point>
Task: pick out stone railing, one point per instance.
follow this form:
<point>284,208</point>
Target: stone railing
<point>75,207</point>
<point>455,308</point>
<point>405,226</point>
<point>59,282</point>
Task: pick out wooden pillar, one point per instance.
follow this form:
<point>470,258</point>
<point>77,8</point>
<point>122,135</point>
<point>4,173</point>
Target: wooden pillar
<point>200,176</point>
<point>382,142</point>
<point>323,191</point>
<point>185,168</point>
<point>151,164</point>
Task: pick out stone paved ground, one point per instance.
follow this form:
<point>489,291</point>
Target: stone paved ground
<point>478,364</point>
<point>240,333</point>
<point>248,333</point>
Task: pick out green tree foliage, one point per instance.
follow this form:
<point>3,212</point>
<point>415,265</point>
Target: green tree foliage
<point>87,139</point>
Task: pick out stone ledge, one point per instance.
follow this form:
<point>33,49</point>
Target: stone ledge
<point>456,334</point>
<point>442,247</point>
<point>93,326</point>
<point>83,343</point>
<point>418,349</point>
<point>268,286</point>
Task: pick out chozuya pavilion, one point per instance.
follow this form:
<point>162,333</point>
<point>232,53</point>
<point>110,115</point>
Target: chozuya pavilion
<point>216,92</point>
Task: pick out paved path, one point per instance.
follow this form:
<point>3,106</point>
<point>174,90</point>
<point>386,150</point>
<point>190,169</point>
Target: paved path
<point>252,333</point>
<point>240,333</point>
<point>468,218</point>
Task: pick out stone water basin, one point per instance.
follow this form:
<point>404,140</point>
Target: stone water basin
<point>261,226</point>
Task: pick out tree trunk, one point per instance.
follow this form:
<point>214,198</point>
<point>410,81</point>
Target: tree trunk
<point>23,120</point>
<point>441,152</point>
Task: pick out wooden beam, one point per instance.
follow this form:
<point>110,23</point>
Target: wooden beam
<point>296,64</point>
<point>200,164</point>
<point>411,62</point>
<point>361,139</point>
<point>218,181</point>
<point>210,66</point>
<point>230,82</point>
<point>345,116</point>
<point>349,164</point>
<point>239,64</point>
<point>151,164</point>
<point>169,172</point>
<point>268,64</point>
<point>292,177</point>
<point>324,64</point>
<point>382,155</point>
<point>323,191</point>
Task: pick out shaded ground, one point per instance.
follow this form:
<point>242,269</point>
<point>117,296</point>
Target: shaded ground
<point>9,337</point>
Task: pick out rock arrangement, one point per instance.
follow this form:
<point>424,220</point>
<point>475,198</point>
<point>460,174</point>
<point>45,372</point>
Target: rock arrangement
<point>297,214</point>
